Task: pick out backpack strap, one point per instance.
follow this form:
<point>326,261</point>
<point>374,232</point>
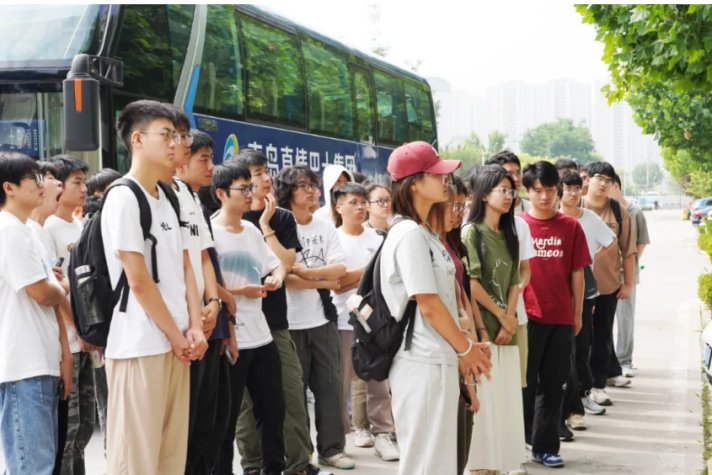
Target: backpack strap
<point>616,208</point>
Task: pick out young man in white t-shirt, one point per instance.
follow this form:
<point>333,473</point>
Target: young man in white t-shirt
<point>150,346</point>
<point>310,311</point>
<point>360,244</point>
<point>245,259</point>
<point>65,229</point>
<point>32,335</point>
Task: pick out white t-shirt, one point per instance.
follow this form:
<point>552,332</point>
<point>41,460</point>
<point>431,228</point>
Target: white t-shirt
<point>597,232</point>
<point>196,234</point>
<point>134,333</point>
<point>245,259</point>
<point>29,334</point>
<point>64,235</point>
<point>526,252</point>
<point>358,250</point>
<point>44,237</point>
<point>413,262</point>
<point>320,246</point>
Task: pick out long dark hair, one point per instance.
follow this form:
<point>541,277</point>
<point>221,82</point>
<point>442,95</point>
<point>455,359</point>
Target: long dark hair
<point>482,181</point>
<point>402,197</point>
<point>454,237</point>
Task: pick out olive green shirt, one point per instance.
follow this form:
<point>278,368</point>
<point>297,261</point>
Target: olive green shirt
<point>496,276</point>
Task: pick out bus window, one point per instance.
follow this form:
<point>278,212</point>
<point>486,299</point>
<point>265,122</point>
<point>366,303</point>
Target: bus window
<point>329,90</point>
<point>419,112</point>
<point>390,105</point>
<point>152,44</point>
<point>364,107</point>
<point>275,80</point>
<point>220,87</point>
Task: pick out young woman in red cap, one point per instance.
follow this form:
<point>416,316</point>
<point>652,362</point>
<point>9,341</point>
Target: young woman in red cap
<point>415,265</point>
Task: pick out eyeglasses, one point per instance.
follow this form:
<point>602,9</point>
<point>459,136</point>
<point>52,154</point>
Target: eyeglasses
<point>505,190</point>
<point>572,191</point>
<point>603,178</point>
<point>174,136</point>
<point>357,204</point>
<point>38,179</point>
<point>457,207</point>
<point>186,139</point>
<point>445,178</point>
<point>381,202</point>
<point>308,186</point>
<point>246,190</point>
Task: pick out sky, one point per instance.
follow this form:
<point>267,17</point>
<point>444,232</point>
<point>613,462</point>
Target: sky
<point>472,45</point>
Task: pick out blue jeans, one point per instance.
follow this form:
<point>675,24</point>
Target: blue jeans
<point>28,425</point>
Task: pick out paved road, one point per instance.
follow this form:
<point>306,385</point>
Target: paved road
<point>654,426</point>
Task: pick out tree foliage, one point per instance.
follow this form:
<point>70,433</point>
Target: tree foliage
<point>495,142</point>
<point>660,60</point>
<point>559,139</point>
<point>647,175</point>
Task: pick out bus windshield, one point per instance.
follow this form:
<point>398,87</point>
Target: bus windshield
<point>47,32</point>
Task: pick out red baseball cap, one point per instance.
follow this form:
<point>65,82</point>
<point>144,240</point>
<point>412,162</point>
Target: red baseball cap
<point>417,157</point>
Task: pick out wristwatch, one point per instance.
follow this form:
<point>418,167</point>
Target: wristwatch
<point>216,299</point>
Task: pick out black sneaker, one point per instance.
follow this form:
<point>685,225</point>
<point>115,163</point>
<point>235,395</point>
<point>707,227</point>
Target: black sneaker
<point>565,434</point>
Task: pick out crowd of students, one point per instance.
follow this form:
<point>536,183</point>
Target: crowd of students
<point>238,309</point>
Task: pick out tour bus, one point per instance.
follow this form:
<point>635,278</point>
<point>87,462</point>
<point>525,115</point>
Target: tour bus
<point>247,77</point>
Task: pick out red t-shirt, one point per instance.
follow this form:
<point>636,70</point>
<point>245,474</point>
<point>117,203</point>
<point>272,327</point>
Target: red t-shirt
<point>561,248</point>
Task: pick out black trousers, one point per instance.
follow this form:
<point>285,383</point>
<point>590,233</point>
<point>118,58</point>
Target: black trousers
<point>260,371</point>
<point>62,423</point>
<point>209,408</point>
<point>464,435</point>
<point>604,362</point>
<point>549,365</point>
<point>583,349</point>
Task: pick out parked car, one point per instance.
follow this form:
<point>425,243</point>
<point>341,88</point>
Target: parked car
<point>700,209</point>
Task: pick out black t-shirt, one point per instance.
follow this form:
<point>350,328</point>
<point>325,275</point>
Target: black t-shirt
<point>284,226</point>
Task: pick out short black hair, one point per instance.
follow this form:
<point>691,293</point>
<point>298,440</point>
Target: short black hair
<point>286,181</point>
<point>66,165</point>
<point>180,119</point>
<point>91,205</point>
<point>137,114</point>
<point>225,174</point>
<point>200,140</point>
<point>565,163</point>
<point>249,156</point>
<point>543,171</point>
<point>15,166</point>
<point>47,168</point>
<point>583,168</point>
<point>360,177</point>
<point>617,181</point>
<point>345,189</point>
<point>571,178</point>
<point>601,168</point>
<point>101,180</point>
<point>502,157</point>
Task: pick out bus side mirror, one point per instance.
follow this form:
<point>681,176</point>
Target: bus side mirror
<point>81,113</point>
<point>81,99</point>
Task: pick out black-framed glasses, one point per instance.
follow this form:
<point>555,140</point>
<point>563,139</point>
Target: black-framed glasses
<point>246,190</point>
<point>38,178</point>
<point>174,136</point>
<point>308,186</point>
<point>381,202</point>
<point>357,203</point>
<point>608,181</point>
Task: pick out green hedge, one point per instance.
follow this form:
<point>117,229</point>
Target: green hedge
<point>704,241</point>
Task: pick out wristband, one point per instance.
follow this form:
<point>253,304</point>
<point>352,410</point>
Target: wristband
<point>269,235</point>
<point>216,299</point>
<point>469,348</point>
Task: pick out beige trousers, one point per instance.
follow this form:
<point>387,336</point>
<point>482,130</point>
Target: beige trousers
<point>147,415</point>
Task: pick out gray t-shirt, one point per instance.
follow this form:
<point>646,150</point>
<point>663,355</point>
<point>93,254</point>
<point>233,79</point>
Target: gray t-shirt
<point>413,262</point>
<point>640,233</point>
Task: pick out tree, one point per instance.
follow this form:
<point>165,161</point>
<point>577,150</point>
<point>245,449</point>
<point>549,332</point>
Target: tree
<point>471,152</point>
<point>559,139</point>
<point>647,175</point>
<point>660,63</point>
<point>495,142</point>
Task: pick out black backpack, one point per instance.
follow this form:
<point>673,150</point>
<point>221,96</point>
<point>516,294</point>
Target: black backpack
<point>377,334</point>
<point>93,297</point>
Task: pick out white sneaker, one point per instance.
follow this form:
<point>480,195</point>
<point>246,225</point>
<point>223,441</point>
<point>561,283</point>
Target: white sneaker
<point>619,381</point>
<point>340,460</point>
<point>591,407</point>
<point>385,448</point>
<point>628,371</point>
<point>600,397</point>
<point>363,438</point>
